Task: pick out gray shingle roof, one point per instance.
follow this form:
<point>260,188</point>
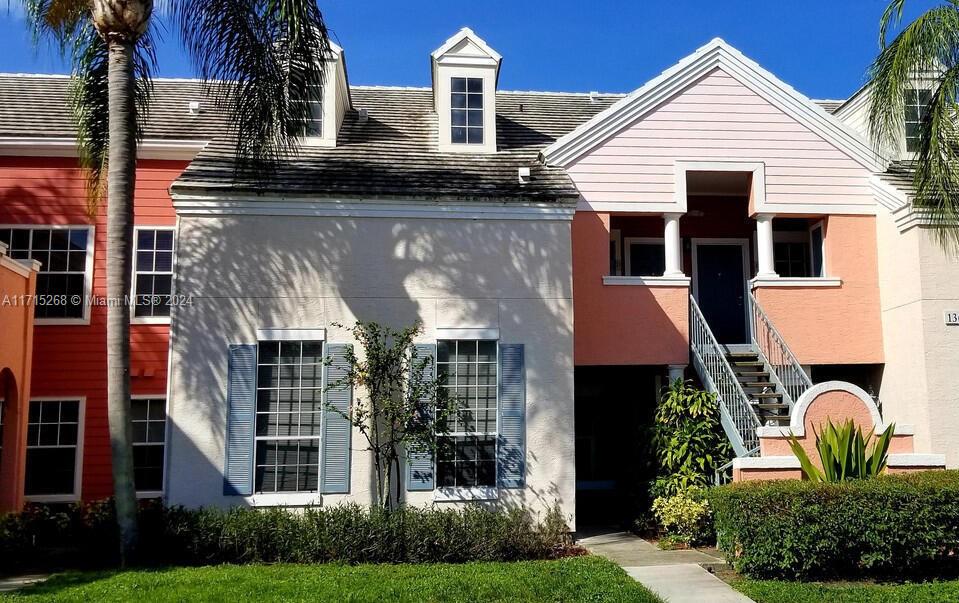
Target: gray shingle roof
<point>394,154</point>
<point>830,105</point>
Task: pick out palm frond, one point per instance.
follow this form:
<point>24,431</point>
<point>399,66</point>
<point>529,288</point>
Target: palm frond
<point>263,59</point>
<point>59,20</point>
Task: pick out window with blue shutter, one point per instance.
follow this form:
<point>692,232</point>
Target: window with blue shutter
<point>419,463</point>
<point>511,457</point>
<point>337,428</point>
<point>241,408</point>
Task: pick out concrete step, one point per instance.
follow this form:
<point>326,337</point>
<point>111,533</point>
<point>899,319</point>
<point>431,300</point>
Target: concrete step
<point>758,384</point>
<point>765,395</point>
<point>746,363</point>
<point>770,405</point>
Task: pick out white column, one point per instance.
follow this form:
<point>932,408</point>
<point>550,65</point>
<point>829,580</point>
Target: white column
<point>764,246</point>
<point>674,245</point>
<point>676,371</point>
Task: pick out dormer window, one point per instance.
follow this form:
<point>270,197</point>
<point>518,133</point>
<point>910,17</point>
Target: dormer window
<point>313,125</point>
<point>466,115</point>
<point>916,103</point>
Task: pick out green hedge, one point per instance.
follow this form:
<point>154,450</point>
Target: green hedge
<point>85,536</point>
<point>893,526</point>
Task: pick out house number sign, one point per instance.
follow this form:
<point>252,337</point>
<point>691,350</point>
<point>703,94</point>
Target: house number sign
<point>952,317</point>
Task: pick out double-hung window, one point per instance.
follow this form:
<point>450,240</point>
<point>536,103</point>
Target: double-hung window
<point>312,125</point>
<point>289,410</point>
<point>153,274</point>
<point>149,437</point>
<point>916,104</point>
<point>798,252</point>
<point>66,259</point>
<point>466,110</point>
<point>54,430</point>
<point>466,457</point>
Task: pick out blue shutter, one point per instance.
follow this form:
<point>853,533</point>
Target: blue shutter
<point>419,463</point>
<point>241,415</point>
<point>335,458</point>
<point>511,453</point>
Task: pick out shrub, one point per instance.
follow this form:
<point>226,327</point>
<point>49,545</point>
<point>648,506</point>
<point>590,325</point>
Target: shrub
<point>904,525</point>
<point>684,518</point>
<point>79,535</point>
<point>842,452</point>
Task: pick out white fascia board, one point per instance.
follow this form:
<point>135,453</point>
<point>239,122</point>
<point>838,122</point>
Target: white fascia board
<point>463,34</point>
<point>482,333</point>
<point>888,195</point>
<point>716,53</point>
<point>43,146</point>
<point>647,281</point>
<point>766,462</point>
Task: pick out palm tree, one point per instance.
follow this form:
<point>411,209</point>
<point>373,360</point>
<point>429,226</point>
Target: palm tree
<point>262,59</point>
<point>926,52</point>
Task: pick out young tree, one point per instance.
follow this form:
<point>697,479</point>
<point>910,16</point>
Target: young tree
<point>926,50</point>
<point>398,403</point>
<point>267,57</point>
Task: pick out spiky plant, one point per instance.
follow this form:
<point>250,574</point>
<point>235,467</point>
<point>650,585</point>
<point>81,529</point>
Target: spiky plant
<point>262,58</point>
<point>924,51</point>
<point>843,454</point>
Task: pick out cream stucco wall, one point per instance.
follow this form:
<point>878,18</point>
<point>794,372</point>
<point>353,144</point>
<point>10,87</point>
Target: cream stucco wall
<point>919,281</point>
<point>249,272</point>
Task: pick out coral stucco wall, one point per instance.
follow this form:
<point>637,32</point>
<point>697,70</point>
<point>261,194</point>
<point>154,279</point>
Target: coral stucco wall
<point>70,360</point>
<point>621,324</point>
<point>834,325</point>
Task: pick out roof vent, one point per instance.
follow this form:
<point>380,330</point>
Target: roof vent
<point>194,107</point>
<point>593,96</point>
<point>364,116</point>
<point>524,175</point>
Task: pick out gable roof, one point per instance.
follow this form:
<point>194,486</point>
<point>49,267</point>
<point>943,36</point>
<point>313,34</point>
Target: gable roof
<point>715,54</point>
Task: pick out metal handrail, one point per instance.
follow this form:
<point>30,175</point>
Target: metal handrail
<point>738,417</point>
<point>782,362</point>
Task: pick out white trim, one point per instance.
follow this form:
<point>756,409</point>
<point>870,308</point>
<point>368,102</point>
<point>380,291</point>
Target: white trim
<point>87,270</point>
<point>696,242</point>
<point>148,320</point>
<point>477,333</point>
<point>821,225</point>
<point>653,209</point>
<point>278,334</point>
<point>283,499</point>
<point>466,34</point>
<point>166,441</point>
<point>766,462</point>
<point>78,460</point>
<point>465,494</point>
<point>916,460</point>
<point>886,194</point>
<point>797,417</point>
<point>21,267</point>
<point>757,182</point>
<point>213,205</point>
<point>647,281</point>
<point>630,241</point>
<point>716,53</point>
<point>48,146</point>
<point>171,333</point>
<point>795,281</point>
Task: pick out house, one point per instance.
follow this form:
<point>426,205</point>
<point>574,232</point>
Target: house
<point>566,254</point>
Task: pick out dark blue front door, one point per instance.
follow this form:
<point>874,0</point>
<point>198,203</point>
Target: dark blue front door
<point>721,290</point>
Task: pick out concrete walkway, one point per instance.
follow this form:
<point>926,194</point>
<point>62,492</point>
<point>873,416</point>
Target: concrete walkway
<point>13,583</point>
<point>676,576</point>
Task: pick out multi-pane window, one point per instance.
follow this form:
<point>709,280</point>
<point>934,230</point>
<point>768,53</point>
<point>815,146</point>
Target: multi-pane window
<point>62,253</point>
<point>313,124</point>
<point>792,259</point>
<point>53,430</point>
<point>646,258</point>
<point>148,416</point>
<point>466,110</point>
<point>466,457</point>
<point>289,409</point>
<point>153,277</point>
<point>916,104</point>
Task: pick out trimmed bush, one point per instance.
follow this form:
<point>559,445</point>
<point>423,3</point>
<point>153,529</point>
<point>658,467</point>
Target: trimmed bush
<point>85,535</point>
<point>684,518</point>
<point>903,525</point>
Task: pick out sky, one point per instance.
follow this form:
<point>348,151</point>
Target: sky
<point>820,47</point>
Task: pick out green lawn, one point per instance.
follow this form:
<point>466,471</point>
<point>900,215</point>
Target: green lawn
<point>576,579</point>
<point>773,591</point>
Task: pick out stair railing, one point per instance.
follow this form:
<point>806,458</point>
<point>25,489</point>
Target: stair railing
<point>738,418</point>
<point>783,365</point>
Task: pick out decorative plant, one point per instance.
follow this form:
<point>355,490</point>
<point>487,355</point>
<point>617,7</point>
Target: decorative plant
<point>842,451</point>
<point>397,401</point>
<point>689,441</point>
<point>684,517</point>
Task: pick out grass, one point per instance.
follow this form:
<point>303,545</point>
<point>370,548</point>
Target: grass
<point>574,579</point>
<point>774,591</point>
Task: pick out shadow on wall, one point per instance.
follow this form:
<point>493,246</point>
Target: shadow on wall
<point>249,272</point>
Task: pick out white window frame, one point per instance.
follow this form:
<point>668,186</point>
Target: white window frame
<point>149,320</point>
<point>87,273</point>
<point>166,443</point>
<point>78,460</point>
<point>298,498</point>
<point>821,225</point>
<point>462,493</point>
<point>616,237</point>
<point>799,236</point>
<point>482,110</point>
<point>628,242</point>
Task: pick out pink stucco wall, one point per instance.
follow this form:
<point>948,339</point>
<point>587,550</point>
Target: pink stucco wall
<point>621,325</point>
<point>834,325</point>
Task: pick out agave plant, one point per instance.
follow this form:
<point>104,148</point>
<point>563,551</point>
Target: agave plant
<point>842,451</point>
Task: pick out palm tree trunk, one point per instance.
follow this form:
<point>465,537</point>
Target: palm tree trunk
<point>121,179</point>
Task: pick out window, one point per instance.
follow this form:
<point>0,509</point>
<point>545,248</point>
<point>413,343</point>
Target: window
<point>816,242</point>
<point>148,416</point>
<point>289,409</point>
<point>467,456</point>
<point>313,125</point>
<point>153,275</point>
<point>467,110</point>
<point>53,435</point>
<point>798,249</point>
<point>916,104</point>
<point>645,257</point>
<point>792,259</point>
<point>64,255</point>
